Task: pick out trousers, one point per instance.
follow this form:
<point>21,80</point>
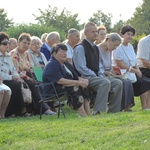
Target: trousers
<point>109,93</point>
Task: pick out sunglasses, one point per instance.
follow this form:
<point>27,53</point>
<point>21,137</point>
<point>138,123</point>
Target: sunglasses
<point>5,43</point>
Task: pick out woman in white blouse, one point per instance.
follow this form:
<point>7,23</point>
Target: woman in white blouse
<point>125,58</point>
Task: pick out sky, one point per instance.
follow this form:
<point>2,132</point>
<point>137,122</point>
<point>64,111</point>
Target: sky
<point>21,11</point>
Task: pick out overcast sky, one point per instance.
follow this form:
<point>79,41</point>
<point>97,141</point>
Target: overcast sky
<point>21,11</point>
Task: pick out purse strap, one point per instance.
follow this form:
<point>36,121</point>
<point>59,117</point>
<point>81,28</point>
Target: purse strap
<point>126,55</point>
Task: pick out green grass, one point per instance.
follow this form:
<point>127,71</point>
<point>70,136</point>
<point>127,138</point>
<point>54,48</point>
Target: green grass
<point>119,131</point>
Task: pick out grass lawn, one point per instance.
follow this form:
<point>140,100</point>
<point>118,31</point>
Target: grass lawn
<point>119,131</point>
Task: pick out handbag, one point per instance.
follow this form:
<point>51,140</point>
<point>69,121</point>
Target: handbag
<point>26,93</point>
<point>130,75</point>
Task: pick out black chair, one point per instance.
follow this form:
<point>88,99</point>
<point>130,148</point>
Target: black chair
<point>59,97</point>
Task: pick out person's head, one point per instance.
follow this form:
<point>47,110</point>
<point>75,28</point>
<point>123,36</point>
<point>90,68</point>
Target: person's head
<point>82,35</point>
<point>24,42</point>
<point>35,44</point>
<point>101,34</point>
<point>43,37</point>
<point>59,51</point>
<point>12,43</point>
<point>73,36</point>
<point>113,40</point>
<point>4,42</point>
<point>127,32</point>
<point>90,31</point>
<point>53,38</point>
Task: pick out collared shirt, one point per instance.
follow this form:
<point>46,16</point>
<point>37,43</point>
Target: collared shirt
<point>7,69</point>
<point>39,60</point>
<point>79,61</point>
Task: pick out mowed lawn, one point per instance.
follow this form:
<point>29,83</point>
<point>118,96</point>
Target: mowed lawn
<point>119,131</point>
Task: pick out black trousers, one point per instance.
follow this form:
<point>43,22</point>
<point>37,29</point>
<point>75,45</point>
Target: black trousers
<point>16,101</point>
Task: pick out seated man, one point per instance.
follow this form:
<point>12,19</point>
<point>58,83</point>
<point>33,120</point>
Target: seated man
<point>86,62</point>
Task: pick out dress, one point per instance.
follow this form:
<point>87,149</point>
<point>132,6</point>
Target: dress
<point>143,84</point>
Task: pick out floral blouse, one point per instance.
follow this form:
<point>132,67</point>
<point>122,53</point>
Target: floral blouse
<point>21,63</point>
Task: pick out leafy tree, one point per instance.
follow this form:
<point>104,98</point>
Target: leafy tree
<point>5,23</point>
<point>100,18</point>
<point>33,29</point>
<point>117,27</point>
<point>141,19</point>
<point>63,21</point>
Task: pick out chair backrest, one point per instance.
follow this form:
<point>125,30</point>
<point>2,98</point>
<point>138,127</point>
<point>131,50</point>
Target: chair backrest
<point>38,71</point>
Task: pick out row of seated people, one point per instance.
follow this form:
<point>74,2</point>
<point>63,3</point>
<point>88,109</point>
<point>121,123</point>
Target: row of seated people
<point>93,67</point>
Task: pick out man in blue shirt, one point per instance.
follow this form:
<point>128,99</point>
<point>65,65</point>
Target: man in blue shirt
<point>87,63</point>
<point>51,39</point>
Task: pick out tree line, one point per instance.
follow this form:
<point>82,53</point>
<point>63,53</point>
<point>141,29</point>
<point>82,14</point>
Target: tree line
<point>50,20</point>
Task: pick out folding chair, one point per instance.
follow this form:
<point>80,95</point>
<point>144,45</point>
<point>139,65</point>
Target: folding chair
<point>38,71</point>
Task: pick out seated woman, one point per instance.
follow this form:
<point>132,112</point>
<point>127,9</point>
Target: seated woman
<point>59,71</point>
<point>125,58</point>
<point>5,93</point>
<point>105,49</point>
<point>22,63</point>
<point>10,78</point>
<point>36,57</point>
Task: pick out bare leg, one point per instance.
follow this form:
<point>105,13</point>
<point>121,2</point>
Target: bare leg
<point>148,100</point>
<point>143,98</point>
<point>5,103</point>
<point>81,111</point>
<point>1,101</point>
<point>87,107</point>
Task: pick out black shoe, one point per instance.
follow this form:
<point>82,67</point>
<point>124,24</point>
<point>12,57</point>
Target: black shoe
<point>95,113</point>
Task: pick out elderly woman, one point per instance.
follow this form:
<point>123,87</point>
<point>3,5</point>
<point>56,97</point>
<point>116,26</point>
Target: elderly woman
<point>5,93</point>
<point>59,71</point>
<point>22,63</point>
<point>105,48</point>
<point>10,78</point>
<point>36,57</point>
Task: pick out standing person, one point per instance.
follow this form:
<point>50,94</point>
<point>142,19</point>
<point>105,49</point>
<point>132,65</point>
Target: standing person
<point>87,63</point>
<point>10,78</point>
<point>51,39</point>
<point>22,63</point>
<point>5,93</point>
<point>125,58</point>
<point>106,47</point>
<point>101,34</point>
<point>73,37</point>
<point>143,55</point>
<point>12,44</point>
<point>62,74</point>
<point>36,57</point>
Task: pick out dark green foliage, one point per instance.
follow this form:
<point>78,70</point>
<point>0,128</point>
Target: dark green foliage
<point>5,23</point>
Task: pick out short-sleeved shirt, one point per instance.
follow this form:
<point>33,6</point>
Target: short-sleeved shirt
<point>143,50</point>
<point>126,54</point>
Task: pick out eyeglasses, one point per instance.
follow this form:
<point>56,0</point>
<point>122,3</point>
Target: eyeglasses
<point>5,43</point>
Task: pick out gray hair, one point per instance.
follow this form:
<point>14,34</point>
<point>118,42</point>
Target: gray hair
<point>52,35</point>
<point>114,37</point>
